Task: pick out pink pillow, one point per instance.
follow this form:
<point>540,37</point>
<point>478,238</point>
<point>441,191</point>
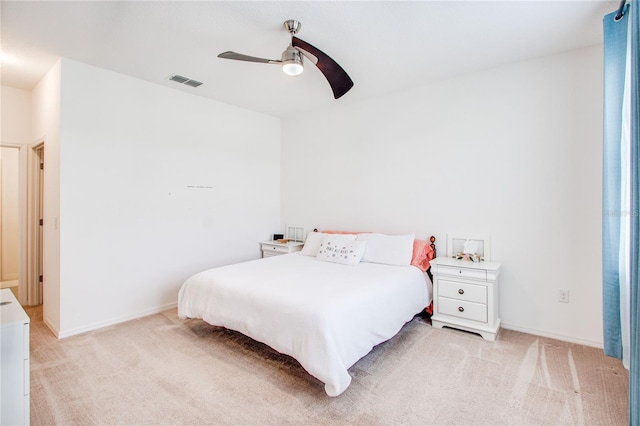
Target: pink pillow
<point>343,232</point>
<point>422,254</point>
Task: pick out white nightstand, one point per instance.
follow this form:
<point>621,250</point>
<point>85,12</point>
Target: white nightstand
<point>465,296</point>
<point>14,335</point>
<point>274,248</point>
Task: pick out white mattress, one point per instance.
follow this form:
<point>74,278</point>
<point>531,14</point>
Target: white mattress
<point>325,315</point>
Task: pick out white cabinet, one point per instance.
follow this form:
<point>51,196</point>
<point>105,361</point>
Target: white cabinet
<point>14,348</point>
<point>465,296</point>
<point>274,248</point>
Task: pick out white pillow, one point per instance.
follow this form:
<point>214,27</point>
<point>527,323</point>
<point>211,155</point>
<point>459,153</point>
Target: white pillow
<point>338,249</point>
<point>388,249</point>
<point>312,244</point>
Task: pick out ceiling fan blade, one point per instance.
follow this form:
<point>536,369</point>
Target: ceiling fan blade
<point>338,78</point>
<point>246,58</point>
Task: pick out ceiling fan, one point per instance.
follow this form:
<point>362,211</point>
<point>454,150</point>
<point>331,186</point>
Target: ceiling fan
<point>291,60</point>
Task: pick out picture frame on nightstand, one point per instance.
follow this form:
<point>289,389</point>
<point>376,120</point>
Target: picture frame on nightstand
<point>456,242</point>
<point>295,233</point>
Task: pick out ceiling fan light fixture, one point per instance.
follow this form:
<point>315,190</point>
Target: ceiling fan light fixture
<point>292,61</point>
<point>292,68</point>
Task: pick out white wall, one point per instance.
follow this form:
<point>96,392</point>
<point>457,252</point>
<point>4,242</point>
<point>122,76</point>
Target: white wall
<point>155,185</point>
<point>45,118</point>
<point>15,113</point>
<point>9,213</point>
<point>512,152</point>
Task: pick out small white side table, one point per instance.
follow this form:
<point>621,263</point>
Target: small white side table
<point>274,248</point>
<point>465,296</point>
<point>14,335</point>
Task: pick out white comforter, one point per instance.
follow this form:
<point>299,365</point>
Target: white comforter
<point>325,315</point>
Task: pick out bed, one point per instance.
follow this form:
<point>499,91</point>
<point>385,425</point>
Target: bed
<point>326,314</point>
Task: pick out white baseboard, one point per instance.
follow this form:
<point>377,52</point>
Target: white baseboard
<point>50,326</point>
<point>101,324</point>
<point>550,335</point>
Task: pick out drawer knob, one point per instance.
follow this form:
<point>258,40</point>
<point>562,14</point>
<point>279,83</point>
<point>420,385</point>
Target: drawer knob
<point>460,308</point>
<point>460,291</point>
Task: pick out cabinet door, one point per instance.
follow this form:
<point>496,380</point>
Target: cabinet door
<point>13,375</point>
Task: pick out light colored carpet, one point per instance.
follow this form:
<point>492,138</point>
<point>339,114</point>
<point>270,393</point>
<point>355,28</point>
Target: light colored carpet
<point>163,370</point>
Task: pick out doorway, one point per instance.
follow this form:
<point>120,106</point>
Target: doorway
<point>21,226</point>
<point>10,218</point>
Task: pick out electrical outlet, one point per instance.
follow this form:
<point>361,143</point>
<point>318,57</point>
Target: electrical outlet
<point>563,295</point>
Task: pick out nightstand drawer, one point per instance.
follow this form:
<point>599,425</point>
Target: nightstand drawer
<point>462,309</point>
<point>476,274</point>
<point>275,249</point>
<point>462,291</point>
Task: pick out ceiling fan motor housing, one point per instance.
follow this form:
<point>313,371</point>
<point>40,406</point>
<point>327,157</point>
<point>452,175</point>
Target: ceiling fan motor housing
<point>292,61</point>
<point>292,26</point>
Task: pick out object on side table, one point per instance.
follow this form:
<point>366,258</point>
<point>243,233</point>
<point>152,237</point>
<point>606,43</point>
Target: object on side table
<point>469,257</point>
<point>295,233</point>
<point>468,248</point>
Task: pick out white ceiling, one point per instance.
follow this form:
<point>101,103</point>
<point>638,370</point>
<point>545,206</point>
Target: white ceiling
<point>385,46</point>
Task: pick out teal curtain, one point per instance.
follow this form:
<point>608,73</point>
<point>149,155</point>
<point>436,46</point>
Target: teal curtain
<point>634,311</point>
<point>615,48</point>
<point>621,196</point>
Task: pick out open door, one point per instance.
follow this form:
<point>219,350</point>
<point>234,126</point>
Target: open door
<point>35,225</point>
<point>40,246</point>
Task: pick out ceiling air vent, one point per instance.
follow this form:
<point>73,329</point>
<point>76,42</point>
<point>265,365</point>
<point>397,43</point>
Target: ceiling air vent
<point>185,80</point>
<point>192,83</point>
<point>178,78</point>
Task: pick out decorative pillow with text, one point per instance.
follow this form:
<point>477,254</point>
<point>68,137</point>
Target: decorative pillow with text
<point>338,249</point>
